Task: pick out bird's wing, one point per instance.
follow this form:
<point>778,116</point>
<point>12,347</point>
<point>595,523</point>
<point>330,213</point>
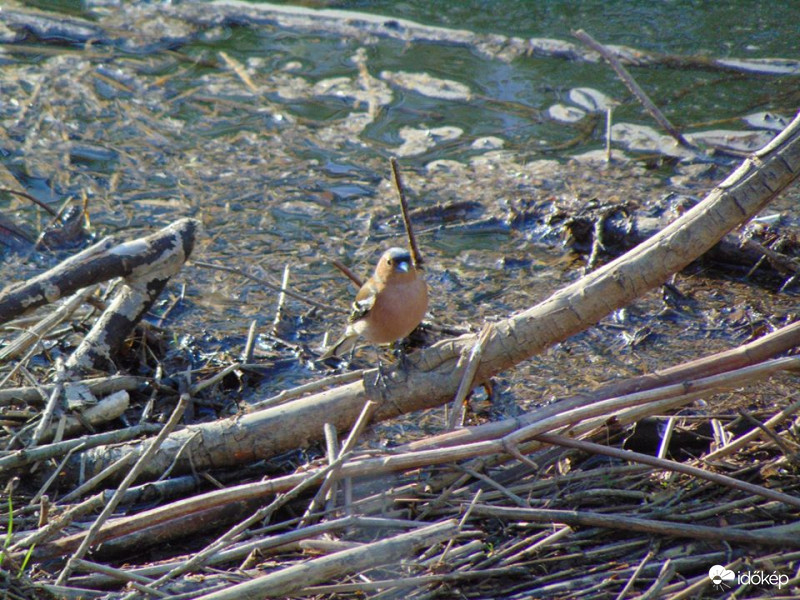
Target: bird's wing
<point>365,300</point>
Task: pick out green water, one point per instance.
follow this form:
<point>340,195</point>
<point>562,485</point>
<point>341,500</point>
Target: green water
<point>510,97</point>
<point>679,26</point>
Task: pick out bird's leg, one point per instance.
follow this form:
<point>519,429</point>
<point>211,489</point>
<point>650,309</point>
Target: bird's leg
<point>381,375</point>
<point>352,355</point>
<point>400,352</point>
<point>381,384</point>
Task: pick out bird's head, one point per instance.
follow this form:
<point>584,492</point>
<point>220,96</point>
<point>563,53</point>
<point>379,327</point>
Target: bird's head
<point>395,262</point>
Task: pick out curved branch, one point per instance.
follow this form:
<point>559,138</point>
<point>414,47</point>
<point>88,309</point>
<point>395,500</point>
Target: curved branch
<point>432,378</point>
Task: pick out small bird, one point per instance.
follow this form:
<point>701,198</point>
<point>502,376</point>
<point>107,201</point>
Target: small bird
<point>388,306</point>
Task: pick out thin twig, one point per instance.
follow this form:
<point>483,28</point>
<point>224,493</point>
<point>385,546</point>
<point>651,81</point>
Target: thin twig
<point>348,272</point>
<point>273,286</point>
<point>31,455</point>
<point>240,71</point>
<point>468,376</point>
<point>666,573</point>
<point>627,523</point>
<point>500,488</point>
<point>218,376</point>
<point>31,198</point>
<point>663,447</point>
<point>537,546</point>
<point>247,353</point>
<point>632,579</point>
<point>36,333</point>
<point>285,582</point>
<point>97,479</point>
<point>631,84</point>
<point>43,490</point>
<point>281,300</point>
<point>52,404</point>
<point>332,450</point>
<point>307,388</point>
<point>200,558</point>
<point>787,452</point>
<point>397,179</point>
<point>748,437</point>
<point>461,524</point>
<point>415,582</point>
<point>172,305</point>
<point>700,583</point>
<point>140,582</point>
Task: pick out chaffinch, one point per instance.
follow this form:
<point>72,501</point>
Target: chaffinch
<point>388,306</point>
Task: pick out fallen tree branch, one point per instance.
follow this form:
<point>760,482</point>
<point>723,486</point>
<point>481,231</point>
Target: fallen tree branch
<point>104,260</point>
<point>432,378</point>
<point>159,523</point>
<point>145,265</point>
<point>757,351</point>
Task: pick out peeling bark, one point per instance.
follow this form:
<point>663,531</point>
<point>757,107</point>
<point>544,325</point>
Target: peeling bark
<point>145,265</point>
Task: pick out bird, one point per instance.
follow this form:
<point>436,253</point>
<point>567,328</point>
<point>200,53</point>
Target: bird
<point>388,306</point>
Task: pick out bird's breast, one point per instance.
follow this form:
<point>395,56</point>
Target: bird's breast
<point>396,312</point>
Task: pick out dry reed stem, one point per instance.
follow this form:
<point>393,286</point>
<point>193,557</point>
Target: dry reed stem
<point>232,534</point>
<point>754,352</point>
<point>140,582</point>
<point>742,441</point>
<point>627,523</point>
<point>397,180</point>
<point>468,377</point>
<point>96,480</point>
<point>405,461</point>
<point>671,465</point>
<point>291,579</point>
<point>336,466</point>
<point>112,503</point>
<point>276,321</point>
<point>416,582</point>
<point>99,386</point>
<point>52,404</point>
<point>19,458</point>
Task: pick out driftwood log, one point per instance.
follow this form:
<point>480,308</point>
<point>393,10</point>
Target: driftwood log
<point>435,374</point>
<point>145,266</point>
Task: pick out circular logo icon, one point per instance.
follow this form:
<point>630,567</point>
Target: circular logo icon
<point>720,575</point>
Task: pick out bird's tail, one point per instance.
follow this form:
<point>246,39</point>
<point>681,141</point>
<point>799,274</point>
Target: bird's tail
<point>343,346</point>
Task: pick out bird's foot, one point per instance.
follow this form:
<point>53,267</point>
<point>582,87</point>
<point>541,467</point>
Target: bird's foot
<point>400,351</point>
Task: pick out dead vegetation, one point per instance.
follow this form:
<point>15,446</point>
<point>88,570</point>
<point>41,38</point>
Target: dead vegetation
<point>523,501</point>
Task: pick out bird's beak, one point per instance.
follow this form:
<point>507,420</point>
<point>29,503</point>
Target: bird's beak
<point>404,266</point>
